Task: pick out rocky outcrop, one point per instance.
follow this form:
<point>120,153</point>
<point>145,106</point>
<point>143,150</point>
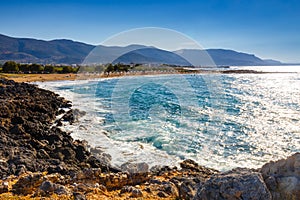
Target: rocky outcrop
<point>283,177</point>
<point>234,184</point>
<point>29,142</point>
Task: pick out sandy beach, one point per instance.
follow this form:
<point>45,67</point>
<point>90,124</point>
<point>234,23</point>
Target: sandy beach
<point>85,76</point>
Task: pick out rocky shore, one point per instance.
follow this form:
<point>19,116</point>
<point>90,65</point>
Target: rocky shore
<point>39,161</point>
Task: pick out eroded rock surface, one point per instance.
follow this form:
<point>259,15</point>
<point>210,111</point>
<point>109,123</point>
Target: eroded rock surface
<point>283,177</point>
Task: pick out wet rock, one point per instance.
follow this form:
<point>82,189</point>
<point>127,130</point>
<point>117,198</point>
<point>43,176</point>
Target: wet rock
<point>134,168</point>
<point>98,153</point>
<point>283,177</point>
<point>193,166</point>
<point>72,116</point>
<point>235,184</point>
<point>28,139</point>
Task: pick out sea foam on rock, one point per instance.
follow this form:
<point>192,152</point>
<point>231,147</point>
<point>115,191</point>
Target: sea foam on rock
<point>28,141</point>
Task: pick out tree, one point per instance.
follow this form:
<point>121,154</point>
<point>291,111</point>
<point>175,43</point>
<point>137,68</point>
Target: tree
<point>49,69</point>
<point>10,66</point>
<point>36,68</point>
<point>67,69</point>
<point>24,68</point>
<point>109,68</point>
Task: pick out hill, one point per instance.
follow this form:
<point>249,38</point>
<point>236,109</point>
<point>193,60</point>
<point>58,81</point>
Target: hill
<point>40,51</point>
<point>64,51</point>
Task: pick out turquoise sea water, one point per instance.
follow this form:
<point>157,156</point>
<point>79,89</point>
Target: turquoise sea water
<point>221,121</point>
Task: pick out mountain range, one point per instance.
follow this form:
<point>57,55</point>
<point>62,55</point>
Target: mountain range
<point>64,51</point>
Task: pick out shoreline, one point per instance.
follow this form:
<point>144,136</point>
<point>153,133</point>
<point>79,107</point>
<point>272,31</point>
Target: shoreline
<point>93,178</point>
<point>89,76</point>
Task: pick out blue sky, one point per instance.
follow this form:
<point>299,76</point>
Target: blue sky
<point>267,28</point>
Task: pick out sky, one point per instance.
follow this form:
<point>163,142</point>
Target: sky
<point>269,29</point>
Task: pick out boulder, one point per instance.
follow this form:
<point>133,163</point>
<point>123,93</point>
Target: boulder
<point>235,184</point>
<point>191,165</point>
<point>27,183</point>
<point>283,177</point>
<point>134,168</point>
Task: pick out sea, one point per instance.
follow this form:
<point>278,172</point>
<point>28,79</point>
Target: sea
<point>221,121</point>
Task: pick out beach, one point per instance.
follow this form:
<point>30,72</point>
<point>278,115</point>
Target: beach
<point>86,76</point>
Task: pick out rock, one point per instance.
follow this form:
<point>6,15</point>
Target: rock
<point>47,187</point>
<point>79,196</point>
<point>88,175</point>
<point>162,194</point>
<point>160,170</point>
<point>29,140</point>
<point>72,116</point>
<point>235,184</point>
<point>83,188</point>
<point>135,193</point>
<point>188,189</point>
<point>283,177</point>
<point>134,168</point>
<point>193,166</point>
<point>170,189</point>
<point>126,189</point>
<point>148,190</point>
<point>4,187</point>
<point>27,183</point>
<point>105,158</point>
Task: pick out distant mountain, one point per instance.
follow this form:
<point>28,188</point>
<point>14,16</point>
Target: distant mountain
<point>272,62</point>
<point>70,52</point>
<point>222,57</point>
<point>108,54</point>
<point>154,56</point>
<point>40,51</point>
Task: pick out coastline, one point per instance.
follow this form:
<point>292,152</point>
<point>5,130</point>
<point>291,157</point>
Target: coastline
<point>88,76</point>
<point>96,179</point>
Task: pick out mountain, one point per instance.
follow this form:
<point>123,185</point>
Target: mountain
<point>70,52</point>
<point>40,51</point>
<point>154,56</point>
<point>222,57</point>
<point>108,54</point>
<point>272,62</point>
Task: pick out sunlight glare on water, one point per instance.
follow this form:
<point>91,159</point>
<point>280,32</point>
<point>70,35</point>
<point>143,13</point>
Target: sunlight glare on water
<point>259,120</point>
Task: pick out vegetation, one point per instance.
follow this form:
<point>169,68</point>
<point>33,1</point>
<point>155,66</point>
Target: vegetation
<point>10,66</point>
<point>117,68</point>
<point>13,67</point>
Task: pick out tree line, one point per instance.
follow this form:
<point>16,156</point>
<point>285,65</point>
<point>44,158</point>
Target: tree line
<point>13,67</point>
